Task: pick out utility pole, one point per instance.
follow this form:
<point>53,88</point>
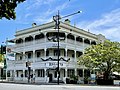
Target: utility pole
<point>57,22</point>
<point>57,26</point>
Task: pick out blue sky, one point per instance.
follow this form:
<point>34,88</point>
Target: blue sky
<point>99,16</point>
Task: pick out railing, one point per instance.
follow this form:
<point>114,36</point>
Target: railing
<point>70,41</point>
<point>28,43</point>
<point>20,45</point>
<point>20,61</point>
<point>62,58</point>
<point>86,45</point>
<point>80,44</point>
<point>39,41</point>
<point>38,59</point>
<point>10,61</point>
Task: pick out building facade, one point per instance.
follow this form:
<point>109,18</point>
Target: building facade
<point>38,46</point>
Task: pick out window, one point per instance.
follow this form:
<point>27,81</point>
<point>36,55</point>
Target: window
<point>8,73</point>
<point>79,54</point>
<point>70,72</point>
<point>41,73</point>
<point>56,53</point>
<point>38,54</point>
<point>26,73</point>
<point>73,55</point>
<point>20,57</point>
<point>70,36</point>
<point>17,72</point>
<point>64,53</point>
<point>87,41</point>
<point>29,55</point>
<point>64,72</point>
<point>80,72</point>
<point>47,53</point>
<point>55,74</point>
<point>87,73</point>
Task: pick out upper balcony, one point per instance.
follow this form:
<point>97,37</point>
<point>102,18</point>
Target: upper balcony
<point>42,56</point>
<point>50,40</point>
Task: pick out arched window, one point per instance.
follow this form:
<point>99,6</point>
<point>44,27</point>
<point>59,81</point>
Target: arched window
<point>79,39</point>
<point>20,40</point>
<point>27,39</point>
<point>93,43</point>
<point>62,36</point>
<point>87,41</point>
<point>70,36</point>
<point>80,53</point>
<point>40,36</point>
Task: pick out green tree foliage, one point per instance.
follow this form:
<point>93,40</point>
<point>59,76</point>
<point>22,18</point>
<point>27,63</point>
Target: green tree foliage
<point>1,57</point>
<point>7,8</point>
<point>104,56</point>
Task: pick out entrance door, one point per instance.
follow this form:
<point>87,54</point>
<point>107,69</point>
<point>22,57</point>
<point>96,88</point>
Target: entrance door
<point>50,77</point>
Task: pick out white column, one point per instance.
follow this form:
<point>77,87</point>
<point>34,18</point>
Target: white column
<point>45,77</point>
<point>33,39</point>
<point>83,53</point>
<point>83,73</point>
<point>66,53</point>
<point>83,45</point>
<point>45,53</point>
<point>6,75</point>
<point>10,73</point>
<point>45,37</point>
<point>75,56</point>
<point>90,42</point>
<point>23,41</point>
<point>24,56</point>
<point>75,64</point>
<point>66,38</point>
<point>75,71</point>
<point>14,74</point>
<point>66,73</point>
<point>34,56</point>
<point>23,74</point>
<point>75,41</point>
<point>33,71</point>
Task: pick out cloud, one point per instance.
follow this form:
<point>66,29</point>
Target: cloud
<point>108,25</point>
<point>38,3</point>
<point>34,11</point>
<point>40,11</point>
<point>47,16</point>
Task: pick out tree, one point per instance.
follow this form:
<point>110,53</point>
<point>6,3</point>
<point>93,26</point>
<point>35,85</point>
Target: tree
<point>1,57</point>
<point>104,56</point>
<point>7,8</point>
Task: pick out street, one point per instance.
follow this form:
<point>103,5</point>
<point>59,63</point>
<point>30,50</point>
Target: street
<point>10,86</point>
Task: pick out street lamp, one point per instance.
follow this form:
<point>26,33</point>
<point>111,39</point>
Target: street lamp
<point>57,23</point>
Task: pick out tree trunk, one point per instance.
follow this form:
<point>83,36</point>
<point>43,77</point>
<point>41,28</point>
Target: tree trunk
<point>106,75</point>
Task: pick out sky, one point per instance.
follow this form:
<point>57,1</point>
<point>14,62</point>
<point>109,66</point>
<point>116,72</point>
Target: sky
<point>98,16</point>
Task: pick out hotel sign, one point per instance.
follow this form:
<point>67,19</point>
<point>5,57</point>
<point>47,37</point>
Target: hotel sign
<point>56,45</point>
<point>54,64</point>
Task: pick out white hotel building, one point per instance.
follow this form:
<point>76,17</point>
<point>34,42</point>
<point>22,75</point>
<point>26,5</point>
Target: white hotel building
<point>38,46</point>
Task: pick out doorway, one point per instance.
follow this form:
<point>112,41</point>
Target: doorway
<point>50,77</point>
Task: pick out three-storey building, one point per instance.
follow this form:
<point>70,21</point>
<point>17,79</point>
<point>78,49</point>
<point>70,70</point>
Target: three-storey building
<point>38,45</point>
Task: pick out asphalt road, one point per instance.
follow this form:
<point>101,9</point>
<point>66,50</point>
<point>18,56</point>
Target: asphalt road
<point>9,86</point>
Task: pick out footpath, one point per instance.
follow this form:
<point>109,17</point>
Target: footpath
<point>12,82</point>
